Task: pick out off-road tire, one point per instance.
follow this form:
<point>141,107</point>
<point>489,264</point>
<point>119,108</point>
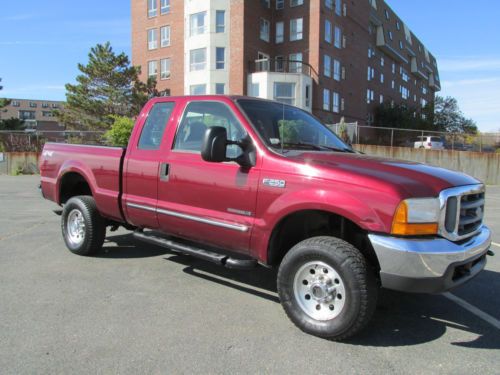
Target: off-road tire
<point>358,280</point>
<point>95,226</point>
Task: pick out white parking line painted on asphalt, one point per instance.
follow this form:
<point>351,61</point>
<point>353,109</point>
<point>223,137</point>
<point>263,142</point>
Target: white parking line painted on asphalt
<point>495,244</point>
<point>473,309</point>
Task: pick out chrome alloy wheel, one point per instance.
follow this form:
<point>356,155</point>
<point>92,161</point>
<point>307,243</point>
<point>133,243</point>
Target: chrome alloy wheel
<point>75,226</point>
<point>319,291</point>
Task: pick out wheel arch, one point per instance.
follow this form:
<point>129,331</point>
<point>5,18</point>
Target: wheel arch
<point>302,224</point>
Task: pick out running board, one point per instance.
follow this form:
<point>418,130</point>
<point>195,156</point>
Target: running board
<point>211,256</point>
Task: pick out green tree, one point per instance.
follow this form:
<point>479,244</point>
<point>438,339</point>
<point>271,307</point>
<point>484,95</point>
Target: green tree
<point>3,101</point>
<point>403,117</point>
<point>107,86</point>
<point>120,131</point>
<point>12,124</point>
<point>448,117</point>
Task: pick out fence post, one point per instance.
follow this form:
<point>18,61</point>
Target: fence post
<point>480,142</point>
<point>392,137</point>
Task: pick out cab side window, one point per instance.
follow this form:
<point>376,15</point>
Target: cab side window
<point>155,125</point>
<point>199,116</point>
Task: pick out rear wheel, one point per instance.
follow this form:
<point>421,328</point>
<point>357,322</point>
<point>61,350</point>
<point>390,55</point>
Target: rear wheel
<point>83,228</point>
<point>327,288</point>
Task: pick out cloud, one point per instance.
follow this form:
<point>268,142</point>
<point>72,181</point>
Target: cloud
<point>19,17</point>
<point>469,64</point>
<point>478,98</point>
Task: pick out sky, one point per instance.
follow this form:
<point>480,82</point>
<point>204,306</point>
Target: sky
<point>41,44</point>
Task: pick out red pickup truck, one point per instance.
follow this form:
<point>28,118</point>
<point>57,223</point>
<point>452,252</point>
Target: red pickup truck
<point>245,182</point>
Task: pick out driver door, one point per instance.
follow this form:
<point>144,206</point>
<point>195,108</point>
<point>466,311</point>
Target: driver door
<point>212,203</point>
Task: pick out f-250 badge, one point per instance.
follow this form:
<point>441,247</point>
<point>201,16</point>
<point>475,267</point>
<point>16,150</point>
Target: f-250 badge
<point>274,183</point>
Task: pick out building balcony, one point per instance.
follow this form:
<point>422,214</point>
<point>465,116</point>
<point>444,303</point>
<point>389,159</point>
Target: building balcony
<point>287,81</point>
<point>387,48</point>
<point>415,69</point>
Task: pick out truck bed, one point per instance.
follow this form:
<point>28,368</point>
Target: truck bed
<point>101,166</point>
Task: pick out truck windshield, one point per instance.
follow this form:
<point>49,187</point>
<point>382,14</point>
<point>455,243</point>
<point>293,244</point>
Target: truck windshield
<point>284,127</point>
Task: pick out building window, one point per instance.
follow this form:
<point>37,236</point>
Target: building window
<point>401,44</point>
<point>371,73</point>
<point>27,115</point>
<point>338,7</point>
<point>15,103</point>
<point>266,3</point>
<point>327,66</point>
<point>329,4</point>
<point>32,105</point>
<point>336,70</point>
<point>328,31</point>
<point>254,90</point>
<point>280,32</point>
<point>165,68</point>
<point>294,3</point>
<point>198,23</point>
<point>152,39</point>
<point>165,7</point>
<point>338,37</point>
<point>284,92</point>
<point>47,114</point>
<point>393,68</point>
<point>390,35</point>
<point>386,12</point>
<point>220,58</point>
<point>370,95</point>
<point>152,68</point>
<point>198,89</point>
<point>264,29</point>
<point>45,105</point>
<point>373,4</point>
<point>381,77</point>
<point>326,99</point>
<point>398,25</point>
<point>152,8</point>
<point>220,21</point>
<point>381,99</point>
<point>382,62</point>
<point>393,85</point>
<point>165,36</point>
<point>296,29</point>
<point>295,64</point>
<point>336,102</point>
<point>280,4</point>
<point>55,105</point>
<point>198,59</point>
<point>308,96</point>
<point>220,88</point>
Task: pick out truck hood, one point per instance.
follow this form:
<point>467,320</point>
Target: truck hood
<point>410,178</point>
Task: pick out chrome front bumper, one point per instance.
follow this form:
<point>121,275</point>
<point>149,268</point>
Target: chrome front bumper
<point>429,265</point>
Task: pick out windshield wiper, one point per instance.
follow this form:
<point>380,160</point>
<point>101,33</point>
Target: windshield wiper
<point>315,147</point>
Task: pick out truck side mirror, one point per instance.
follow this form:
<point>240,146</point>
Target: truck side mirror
<point>214,148</point>
<point>214,145</point>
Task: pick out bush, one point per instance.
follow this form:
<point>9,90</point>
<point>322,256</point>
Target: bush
<point>120,131</point>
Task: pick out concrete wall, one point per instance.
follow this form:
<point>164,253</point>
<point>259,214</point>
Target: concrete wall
<point>12,162</point>
<point>483,166</point>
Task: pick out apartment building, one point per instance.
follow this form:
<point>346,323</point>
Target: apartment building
<point>36,114</point>
<point>335,58</point>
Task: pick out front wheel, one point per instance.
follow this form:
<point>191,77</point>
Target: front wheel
<point>327,288</point>
<point>83,228</point>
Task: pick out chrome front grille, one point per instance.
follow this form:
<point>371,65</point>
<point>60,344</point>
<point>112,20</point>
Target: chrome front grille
<point>462,211</point>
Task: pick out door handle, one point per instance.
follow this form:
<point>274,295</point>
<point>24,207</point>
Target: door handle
<point>164,170</point>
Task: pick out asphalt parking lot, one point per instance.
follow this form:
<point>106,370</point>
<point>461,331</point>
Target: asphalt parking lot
<point>140,309</point>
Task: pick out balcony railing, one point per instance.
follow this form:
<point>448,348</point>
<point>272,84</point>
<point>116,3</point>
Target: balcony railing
<point>283,66</point>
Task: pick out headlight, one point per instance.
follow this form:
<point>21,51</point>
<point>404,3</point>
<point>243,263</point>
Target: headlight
<point>416,217</point>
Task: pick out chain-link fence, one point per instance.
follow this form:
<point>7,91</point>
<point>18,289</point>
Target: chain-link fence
<point>378,136</point>
<point>22,141</point>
